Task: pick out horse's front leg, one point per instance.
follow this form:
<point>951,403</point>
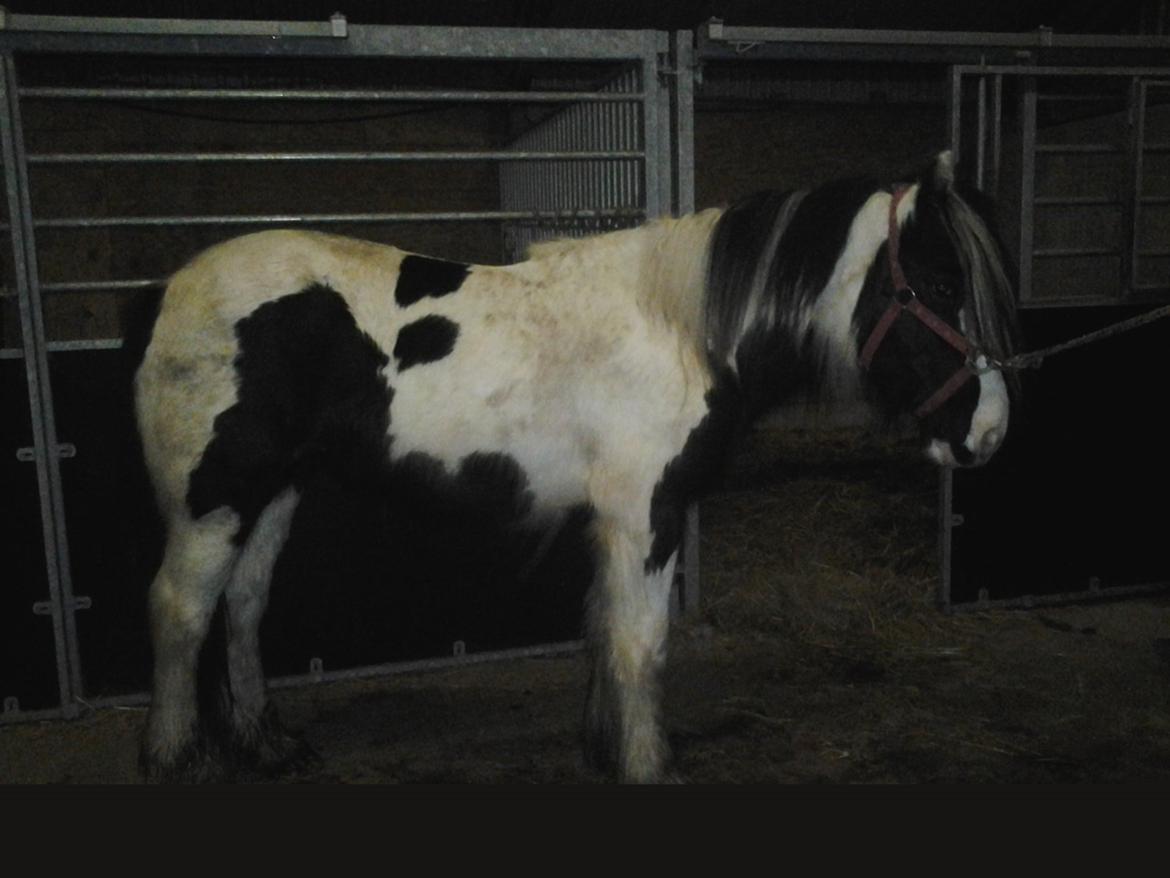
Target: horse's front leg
<point>627,618</point>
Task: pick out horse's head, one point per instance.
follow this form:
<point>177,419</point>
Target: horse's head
<point>934,315</point>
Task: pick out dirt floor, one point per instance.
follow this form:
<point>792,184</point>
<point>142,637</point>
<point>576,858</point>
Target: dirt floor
<point>818,656</point>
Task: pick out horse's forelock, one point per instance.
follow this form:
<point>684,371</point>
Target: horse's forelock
<point>989,288</point>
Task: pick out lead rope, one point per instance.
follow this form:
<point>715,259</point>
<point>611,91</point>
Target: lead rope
<point>1033,359</point>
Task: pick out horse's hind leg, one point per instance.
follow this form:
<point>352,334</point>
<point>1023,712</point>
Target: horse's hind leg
<point>257,738</point>
<point>183,596</point>
<point>628,617</point>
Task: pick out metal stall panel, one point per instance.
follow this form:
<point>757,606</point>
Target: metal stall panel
<point>98,208</point>
<point>41,448</point>
<point>593,174</point>
<point>1070,155</point>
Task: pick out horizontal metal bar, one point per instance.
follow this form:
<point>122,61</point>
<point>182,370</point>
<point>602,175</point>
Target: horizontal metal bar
<point>28,716</point>
<point>362,41</point>
<point>90,286</point>
<point>1079,98</point>
<point>1028,601</point>
<point>471,658</point>
<point>280,94</point>
<point>1057,252</point>
<point>67,347</point>
<point>1077,201</point>
<point>548,650</point>
<point>84,344</point>
<point>1041,39</point>
<point>1077,148</point>
<point>465,156</point>
<point>1043,72</point>
<point>1038,303</point>
<point>334,218</point>
<point>335,28</point>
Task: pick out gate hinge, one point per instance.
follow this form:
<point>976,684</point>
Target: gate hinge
<point>45,608</point>
<point>65,450</point>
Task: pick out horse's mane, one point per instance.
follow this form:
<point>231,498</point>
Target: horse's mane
<point>969,222</point>
<point>736,276</point>
<point>773,255</point>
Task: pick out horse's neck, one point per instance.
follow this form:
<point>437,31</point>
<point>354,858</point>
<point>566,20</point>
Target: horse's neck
<point>787,329</point>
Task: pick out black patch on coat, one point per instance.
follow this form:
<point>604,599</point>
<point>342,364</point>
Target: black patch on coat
<point>421,276</point>
<point>310,397</point>
<point>425,340</point>
<point>486,487</point>
<point>694,470</point>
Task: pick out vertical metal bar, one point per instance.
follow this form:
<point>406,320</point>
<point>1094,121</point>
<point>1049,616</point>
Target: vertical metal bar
<point>981,132</point>
<point>683,113</point>
<point>636,136</point>
<point>1027,185</point>
<point>954,112</point>
<point>665,170</point>
<point>594,167</point>
<point>608,114</point>
<point>39,390</point>
<point>620,194</point>
<point>946,522</point>
<point>562,165</point>
<point>996,134</point>
<point>581,169</point>
<point>1132,206</point>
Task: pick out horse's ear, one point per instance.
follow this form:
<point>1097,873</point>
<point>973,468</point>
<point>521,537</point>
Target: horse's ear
<point>943,172</point>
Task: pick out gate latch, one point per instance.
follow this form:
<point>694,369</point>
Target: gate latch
<point>64,450</point>
<point>45,608</point>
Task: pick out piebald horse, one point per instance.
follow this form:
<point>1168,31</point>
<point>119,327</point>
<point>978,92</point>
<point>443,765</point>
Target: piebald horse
<point>610,372</point>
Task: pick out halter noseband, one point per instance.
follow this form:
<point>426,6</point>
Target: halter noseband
<point>905,299</point>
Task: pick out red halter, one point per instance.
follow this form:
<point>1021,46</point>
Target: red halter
<point>905,299</point>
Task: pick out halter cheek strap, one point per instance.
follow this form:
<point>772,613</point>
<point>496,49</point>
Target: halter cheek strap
<point>905,299</point>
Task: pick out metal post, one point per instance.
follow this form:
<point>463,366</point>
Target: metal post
<point>996,134</point>
<point>1027,186</point>
<point>60,606</point>
<point>682,63</point>
<point>1132,205</point>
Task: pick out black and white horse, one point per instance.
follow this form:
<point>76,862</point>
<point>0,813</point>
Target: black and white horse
<point>610,371</point>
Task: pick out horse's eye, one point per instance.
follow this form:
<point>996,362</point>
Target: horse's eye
<point>943,291</point>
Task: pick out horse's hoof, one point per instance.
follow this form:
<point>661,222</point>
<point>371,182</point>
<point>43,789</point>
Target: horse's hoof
<point>266,750</point>
<point>193,765</point>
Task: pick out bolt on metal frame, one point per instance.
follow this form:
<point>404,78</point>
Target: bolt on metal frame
<point>632,124</point>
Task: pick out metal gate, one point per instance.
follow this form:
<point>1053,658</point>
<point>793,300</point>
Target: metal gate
<point>1079,160</point>
<point>1070,134</point>
<point>129,145</point>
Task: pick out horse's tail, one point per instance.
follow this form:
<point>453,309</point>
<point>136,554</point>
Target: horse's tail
<point>138,319</point>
